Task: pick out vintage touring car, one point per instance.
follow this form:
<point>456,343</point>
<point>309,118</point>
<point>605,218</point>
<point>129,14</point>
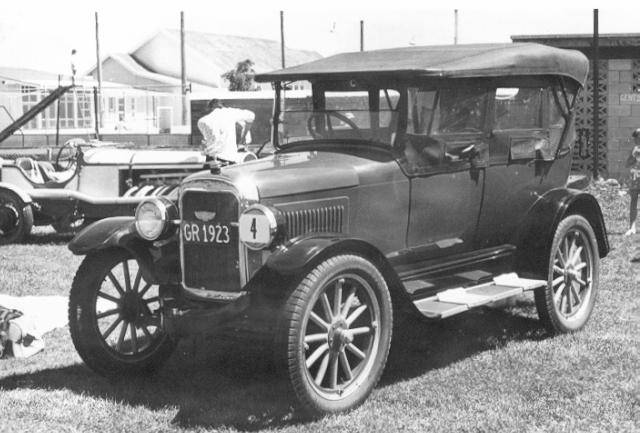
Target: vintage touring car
<point>431,178</point>
<point>85,181</point>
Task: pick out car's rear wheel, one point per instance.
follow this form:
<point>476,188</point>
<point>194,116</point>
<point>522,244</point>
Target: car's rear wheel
<point>336,333</point>
<point>16,218</point>
<point>567,301</point>
<point>114,316</point>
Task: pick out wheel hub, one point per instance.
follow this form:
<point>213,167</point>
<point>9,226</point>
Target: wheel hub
<point>339,336</point>
<point>9,217</point>
<point>132,307</point>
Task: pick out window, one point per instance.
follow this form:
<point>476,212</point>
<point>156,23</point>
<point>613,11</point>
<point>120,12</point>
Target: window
<point>460,110</point>
<point>519,108</point>
<point>440,123</point>
<point>338,110</point>
<point>420,110</point>
<point>31,95</point>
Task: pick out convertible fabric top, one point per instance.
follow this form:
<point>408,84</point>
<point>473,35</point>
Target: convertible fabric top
<point>447,61</point>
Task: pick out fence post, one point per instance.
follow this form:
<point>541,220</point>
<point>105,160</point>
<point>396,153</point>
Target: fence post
<point>96,112</point>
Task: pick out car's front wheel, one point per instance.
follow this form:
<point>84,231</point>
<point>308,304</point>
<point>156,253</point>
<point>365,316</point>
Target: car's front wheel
<point>336,332</point>
<point>566,303</point>
<point>114,316</point>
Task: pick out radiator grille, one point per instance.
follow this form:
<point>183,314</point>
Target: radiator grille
<point>210,266</point>
<point>322,219</point>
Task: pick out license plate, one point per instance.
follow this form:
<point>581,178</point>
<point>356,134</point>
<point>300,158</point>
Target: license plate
<point>206,233</point>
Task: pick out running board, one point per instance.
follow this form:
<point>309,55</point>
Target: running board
<point>453,301</point>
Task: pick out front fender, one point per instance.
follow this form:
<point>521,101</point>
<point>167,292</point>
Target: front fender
<point>298,258</point>
<point>536,232</point>
<point>26,198</point>
<point>106,233</point>
<point>159,265</point>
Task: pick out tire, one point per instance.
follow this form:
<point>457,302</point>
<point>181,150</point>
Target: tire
<point>567,301</point>
<point>68,224</point>
<point>16,218</point>
<point>336,350</point>
<point>106,302</point>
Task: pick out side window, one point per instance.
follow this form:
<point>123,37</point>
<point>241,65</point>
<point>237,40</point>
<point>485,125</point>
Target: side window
<point>420,110</point>
<point>441,123</point>
<point>520,114</point>
<point>460,110</point>
<point>421,152</point>
<point>519,108</point>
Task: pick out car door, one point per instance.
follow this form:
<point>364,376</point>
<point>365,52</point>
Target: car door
<point>523,165</point>
<point>446,162</point>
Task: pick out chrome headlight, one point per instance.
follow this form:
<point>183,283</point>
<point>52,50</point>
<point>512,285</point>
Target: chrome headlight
<point>258,227</point>
<point>153,216</point>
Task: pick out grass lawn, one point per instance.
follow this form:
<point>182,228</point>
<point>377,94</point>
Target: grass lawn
<point>486,370</point>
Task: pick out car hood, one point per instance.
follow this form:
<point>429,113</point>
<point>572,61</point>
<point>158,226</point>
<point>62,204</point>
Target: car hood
<point>297,172</point>
<point>111,155</point>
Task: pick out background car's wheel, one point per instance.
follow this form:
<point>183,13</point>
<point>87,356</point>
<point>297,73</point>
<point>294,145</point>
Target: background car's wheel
<point>16,218</point>
<point>336,332</point>
<point>567,301</point>
<point>68,224</point>
<point>113,316</point>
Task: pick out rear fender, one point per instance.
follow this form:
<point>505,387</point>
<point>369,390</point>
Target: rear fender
<point>26,198</point>
<point>536,234</point>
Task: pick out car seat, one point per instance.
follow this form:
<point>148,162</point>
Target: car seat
<point>30,169</point>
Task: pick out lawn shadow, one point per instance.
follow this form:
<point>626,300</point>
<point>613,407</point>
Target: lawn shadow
<point>220,384</point>
<point>419,346</point>
<point>40,238</point>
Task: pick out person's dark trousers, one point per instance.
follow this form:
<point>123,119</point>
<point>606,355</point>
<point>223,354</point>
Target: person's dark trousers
<point>633,206</point>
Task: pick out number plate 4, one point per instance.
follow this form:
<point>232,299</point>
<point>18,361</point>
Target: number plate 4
<point>254,228</point>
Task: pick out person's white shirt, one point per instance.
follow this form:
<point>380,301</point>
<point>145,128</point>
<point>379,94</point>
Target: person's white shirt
<point>219,131</point>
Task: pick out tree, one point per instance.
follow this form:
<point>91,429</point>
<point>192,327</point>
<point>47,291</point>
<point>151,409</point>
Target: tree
<point>241,78</point>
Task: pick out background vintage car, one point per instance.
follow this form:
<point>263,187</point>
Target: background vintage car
<point>442,188</point>
<point>85,181</point>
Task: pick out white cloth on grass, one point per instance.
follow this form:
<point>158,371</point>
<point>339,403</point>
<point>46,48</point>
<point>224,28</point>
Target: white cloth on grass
<point>46,312</point>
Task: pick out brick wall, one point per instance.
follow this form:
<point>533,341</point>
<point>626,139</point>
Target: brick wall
<point>623,114</point>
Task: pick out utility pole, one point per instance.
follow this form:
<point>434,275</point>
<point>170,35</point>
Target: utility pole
<point>596,93</point>
<point>99,72</point>
<point>455,26</point>
<point>361,35</point>
<point>282,38</point>
<point>183,72</point>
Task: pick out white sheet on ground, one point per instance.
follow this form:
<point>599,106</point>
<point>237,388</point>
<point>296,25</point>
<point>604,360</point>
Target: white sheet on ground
<point>46,313</point>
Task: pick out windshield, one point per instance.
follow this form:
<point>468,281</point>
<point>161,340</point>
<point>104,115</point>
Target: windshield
<point>337,111</point>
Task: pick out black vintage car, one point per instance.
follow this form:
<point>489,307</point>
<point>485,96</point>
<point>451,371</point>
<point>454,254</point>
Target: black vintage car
<point>431,179</point>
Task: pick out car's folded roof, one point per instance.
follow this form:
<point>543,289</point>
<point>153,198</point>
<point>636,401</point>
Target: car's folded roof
<point>447,61</point>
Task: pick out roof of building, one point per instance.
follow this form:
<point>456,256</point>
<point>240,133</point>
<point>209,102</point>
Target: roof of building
<point>610,45</point>
<point>28,76</point>
<point>208,56</point>
<point>225,51</point>
<point>605,39</point>
<point>130,64</point>
<point>450,61</point>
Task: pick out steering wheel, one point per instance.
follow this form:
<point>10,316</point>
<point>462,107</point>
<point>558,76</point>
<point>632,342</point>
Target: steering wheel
<point>329,133</point>
<point>72,147</point>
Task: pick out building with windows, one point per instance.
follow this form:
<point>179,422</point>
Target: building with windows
<point>141,90</point>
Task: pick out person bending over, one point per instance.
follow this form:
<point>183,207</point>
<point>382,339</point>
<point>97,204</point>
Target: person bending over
<point>218,127</point>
